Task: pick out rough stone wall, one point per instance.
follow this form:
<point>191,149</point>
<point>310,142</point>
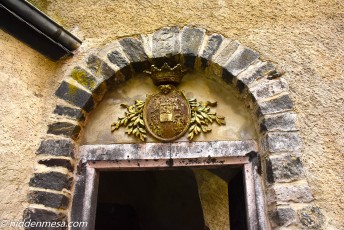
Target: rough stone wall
<point>305,38</point>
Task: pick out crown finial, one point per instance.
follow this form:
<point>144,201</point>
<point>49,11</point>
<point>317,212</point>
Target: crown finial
<point>166,74</point>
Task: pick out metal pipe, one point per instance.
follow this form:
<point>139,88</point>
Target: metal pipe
<point>42,22</point>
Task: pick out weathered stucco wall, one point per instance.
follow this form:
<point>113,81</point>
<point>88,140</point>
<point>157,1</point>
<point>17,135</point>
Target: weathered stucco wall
<point>305,38</point>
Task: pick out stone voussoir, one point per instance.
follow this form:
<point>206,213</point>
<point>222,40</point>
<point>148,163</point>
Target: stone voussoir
<point>166,42</point>
<point>191,41</point>
<point>277,142</point>
<point>213,43</point>
<point>253,73</point>
<point>223,54</point>
<point>225,51</point>
<point>133,47</point>
<point>85,78</point>
<point>48,199</point>
<point>283,216</point>
<point>134,50</point>
<point>114,56</point>
<point>299,193</point>
<point>75,95</point>
<point>99,67</point>
<point>51,180</point>
<point>59,147</point>
<point>269,88</point>
<point>146,40</point>
<point>285,168</point>
<point>36,215</point>
<point>279,122</point>
<point>65,129</point>
<point>279,104</point>
<point>95,83</point>
<point>241,59</point>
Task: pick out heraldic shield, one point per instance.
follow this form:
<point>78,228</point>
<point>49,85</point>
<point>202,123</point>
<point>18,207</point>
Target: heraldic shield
<point>167,113</point>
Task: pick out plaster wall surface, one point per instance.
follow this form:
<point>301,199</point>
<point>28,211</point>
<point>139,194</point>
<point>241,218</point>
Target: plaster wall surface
<point>304,37</point>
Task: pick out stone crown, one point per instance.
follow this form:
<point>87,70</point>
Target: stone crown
<point>166,74</point>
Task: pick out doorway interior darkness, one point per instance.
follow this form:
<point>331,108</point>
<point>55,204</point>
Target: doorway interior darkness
<point>167,199</point>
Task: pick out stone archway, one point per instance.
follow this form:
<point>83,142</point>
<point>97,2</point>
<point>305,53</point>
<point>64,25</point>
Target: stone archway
<point>288,196</point>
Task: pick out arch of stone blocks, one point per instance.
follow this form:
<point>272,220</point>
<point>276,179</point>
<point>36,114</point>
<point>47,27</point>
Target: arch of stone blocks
<point>288,197</point>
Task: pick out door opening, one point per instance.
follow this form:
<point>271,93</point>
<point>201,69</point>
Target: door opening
<point>178,198</point>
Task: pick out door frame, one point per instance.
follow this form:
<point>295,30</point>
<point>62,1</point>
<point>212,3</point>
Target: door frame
<point>97,158</point>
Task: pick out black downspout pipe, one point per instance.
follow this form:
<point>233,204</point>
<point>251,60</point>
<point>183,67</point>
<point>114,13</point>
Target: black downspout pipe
<point>25,17</point>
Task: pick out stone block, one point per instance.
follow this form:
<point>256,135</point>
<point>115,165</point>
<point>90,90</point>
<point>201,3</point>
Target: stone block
<point>210,49</point>
<point>241,60</point>
<point>166,42</point>
<point>294,193</point>
<point>33,216</point>
<point>311,218</point>
<point>268,88</point>
<point>65,129</point>
<point>147,43</point>
<point>279,104</point>
<point>283,216</point>
<point>136,53</point>
<point>120,63</point>
<point>191,42</point>
<point>52,180</point>
<point>254,72</point>
<point>75,95</point>
<point>99,67</point>
<point>134,49</point>
<point>279,122</point>
<point>284,168</point>
<point>117,58</point>
<point>85,78</point>
<point>48,199</point>
<point>282,142</point>
<point>226,50</point>
<point>55,162</point>
<point>74,113</point>
<point>62,147</point>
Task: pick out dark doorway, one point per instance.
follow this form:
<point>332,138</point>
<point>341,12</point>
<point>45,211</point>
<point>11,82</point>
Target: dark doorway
<point>148,200</point>
<point>237,207</point>
<point>162,199</point>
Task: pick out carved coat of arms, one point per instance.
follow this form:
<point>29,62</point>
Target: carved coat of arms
<point>168,114</point>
